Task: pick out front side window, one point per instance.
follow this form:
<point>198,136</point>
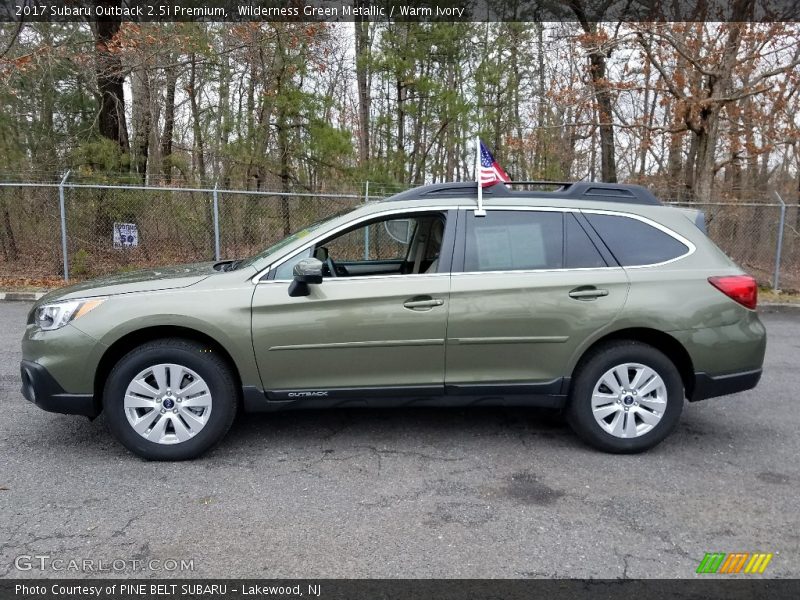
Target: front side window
<point>509,240</point>
<point>396,245</point>
<point>634,242</point>
<point>384,240</point>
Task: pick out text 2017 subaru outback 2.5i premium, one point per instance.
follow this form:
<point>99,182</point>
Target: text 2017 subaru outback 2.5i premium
<point>594,298</point>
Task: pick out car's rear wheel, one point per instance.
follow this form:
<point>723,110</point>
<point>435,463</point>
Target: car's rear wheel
<point>170,399</point>
<point>627,397</point>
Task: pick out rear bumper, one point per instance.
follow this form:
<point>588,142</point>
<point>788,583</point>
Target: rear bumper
<point>39,387</point>
<point>706,386</point>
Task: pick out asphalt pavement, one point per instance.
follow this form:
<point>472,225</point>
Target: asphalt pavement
<point>417,493</point>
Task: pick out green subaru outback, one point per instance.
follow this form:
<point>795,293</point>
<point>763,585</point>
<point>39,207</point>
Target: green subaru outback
<point>594,298</point>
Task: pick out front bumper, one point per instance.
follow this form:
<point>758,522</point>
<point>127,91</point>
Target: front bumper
<point>39,387</point>
<point>706,386</point>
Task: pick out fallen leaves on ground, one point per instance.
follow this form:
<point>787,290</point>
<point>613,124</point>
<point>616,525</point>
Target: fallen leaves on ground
<point>27,283</point>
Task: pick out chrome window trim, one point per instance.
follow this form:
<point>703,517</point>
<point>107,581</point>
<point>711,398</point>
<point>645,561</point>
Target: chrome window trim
<point>362,277</point>
<point>310,243</point>
<point>535,271</point>
<point>599,211</point>
<point>691,247</point>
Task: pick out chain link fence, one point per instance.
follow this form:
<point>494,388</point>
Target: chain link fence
<point>112,228</point>
<point>30,232</point>
<point>758,236</point>
<point>119,228</point>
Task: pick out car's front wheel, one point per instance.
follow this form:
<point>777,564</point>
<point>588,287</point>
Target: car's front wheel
<point>170,399</point>
<point>626,397</point>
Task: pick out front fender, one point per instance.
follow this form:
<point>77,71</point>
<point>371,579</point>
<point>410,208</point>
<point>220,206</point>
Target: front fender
<point>220,314</point>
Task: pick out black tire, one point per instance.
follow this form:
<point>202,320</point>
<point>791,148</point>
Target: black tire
<point>587,374</point>
<point>204,362</point>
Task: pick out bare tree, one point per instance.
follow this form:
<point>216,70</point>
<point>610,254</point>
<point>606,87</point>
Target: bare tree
<point>599,50</point>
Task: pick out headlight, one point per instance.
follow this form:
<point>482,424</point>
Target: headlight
<point>54,316</point>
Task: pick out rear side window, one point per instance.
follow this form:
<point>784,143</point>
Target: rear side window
<point>633,242</point>
<point>579,251</point>
<point>508,240</point>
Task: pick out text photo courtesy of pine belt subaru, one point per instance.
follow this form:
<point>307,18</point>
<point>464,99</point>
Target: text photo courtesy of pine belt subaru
<point>593,298</point>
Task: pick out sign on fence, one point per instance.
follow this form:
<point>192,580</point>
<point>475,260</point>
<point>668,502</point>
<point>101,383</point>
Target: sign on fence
<point>126,235</point>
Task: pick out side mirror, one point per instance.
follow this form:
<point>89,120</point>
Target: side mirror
<point>307,271</point>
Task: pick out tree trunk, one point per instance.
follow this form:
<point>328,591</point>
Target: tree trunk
<point>283,171</point>
<point>650,107</point>
<point>674,163</point>
<point>197,128</point>
<point>110,80</point>
<point>253,170</point>
<point>690,170</point>
<point>706,125</point>
<point>282,129</point>
<point>608,163</point>
<point>142,120</point>
<point>704,170</point>
<point>540,158</point>
<point>169,122</point>
<point>593,153</point>
<point>46,159</point>
<point>362,42</point>
<point>448,149</point>
<point>602,96</point>
<point>401,129</point>
<point>223,117</point>
<point>10,250</point>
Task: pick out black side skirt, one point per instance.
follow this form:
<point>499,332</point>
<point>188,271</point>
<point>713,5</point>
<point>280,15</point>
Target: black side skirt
<point>551,394</point>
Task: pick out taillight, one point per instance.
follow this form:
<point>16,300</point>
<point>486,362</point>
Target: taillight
<point>741,288</point>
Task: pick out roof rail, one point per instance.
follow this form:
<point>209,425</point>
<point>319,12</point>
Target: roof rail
<point>578,190</point>
<point>542,183</point>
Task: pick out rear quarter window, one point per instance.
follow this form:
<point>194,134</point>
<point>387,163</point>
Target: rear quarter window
<point>634,242</point>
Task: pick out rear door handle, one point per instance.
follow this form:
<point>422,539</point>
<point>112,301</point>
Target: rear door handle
<point>587,293</point>
<point>422,303</point>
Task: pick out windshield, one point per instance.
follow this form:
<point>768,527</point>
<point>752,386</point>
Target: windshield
<point>291,238</point>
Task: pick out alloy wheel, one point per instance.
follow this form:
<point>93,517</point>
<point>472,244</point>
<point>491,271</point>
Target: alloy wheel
<point>167,403</point>
<point>629,400</point>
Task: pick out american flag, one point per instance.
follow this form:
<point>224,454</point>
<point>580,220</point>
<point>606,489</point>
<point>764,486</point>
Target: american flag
<point>491,171</point>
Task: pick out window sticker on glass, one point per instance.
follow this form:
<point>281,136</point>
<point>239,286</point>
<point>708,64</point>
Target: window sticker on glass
<point>509,247</point>
<point>493,246</point>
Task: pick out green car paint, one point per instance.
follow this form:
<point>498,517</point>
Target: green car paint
<point>490,331</point>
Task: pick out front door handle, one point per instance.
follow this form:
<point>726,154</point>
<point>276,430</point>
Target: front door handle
<point>587,293</point>
<point>422,303</point>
